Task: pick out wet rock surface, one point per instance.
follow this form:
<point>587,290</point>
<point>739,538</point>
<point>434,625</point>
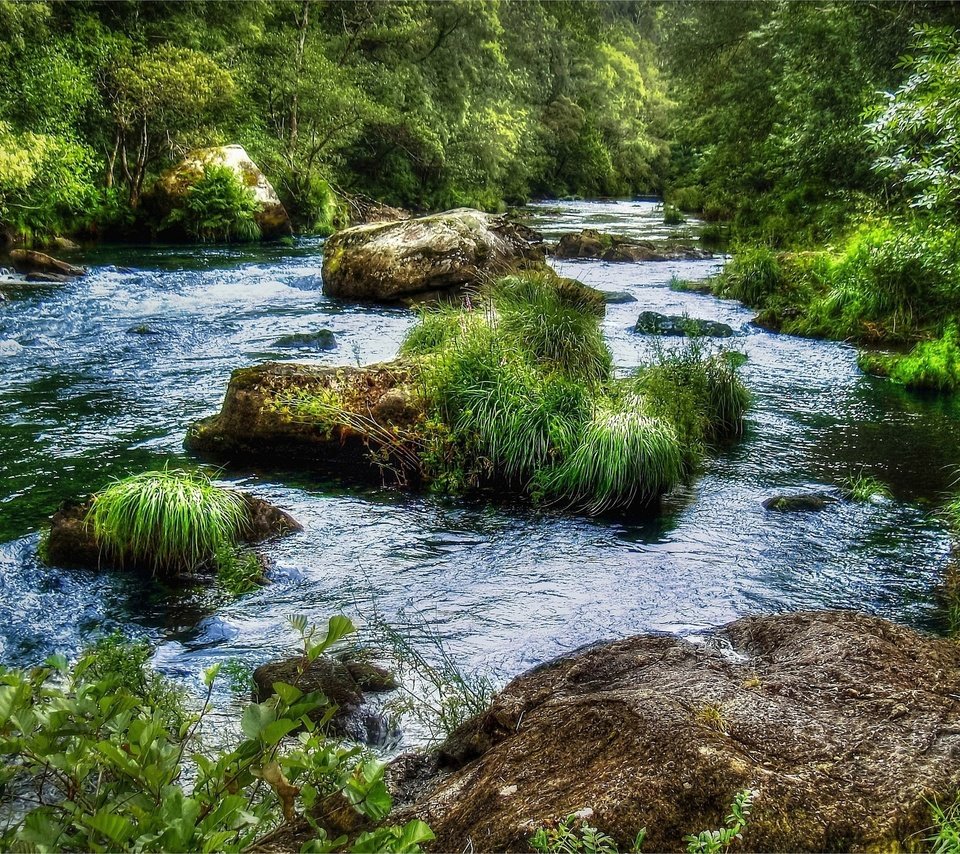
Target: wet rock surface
<point>388,261</point>
<point>322,339</point>
<point>42,267</point>
<point>799,502</point>
<point>343,681</point>
<point>845,725</point>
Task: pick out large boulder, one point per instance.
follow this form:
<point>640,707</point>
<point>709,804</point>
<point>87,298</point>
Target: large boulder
<point>259,419</point>
<point>390,260</point>
<point>594,244</point>
<point>845,725</point>
<point>34,263</point>
<point>71,542</point>
<point>167,194</point>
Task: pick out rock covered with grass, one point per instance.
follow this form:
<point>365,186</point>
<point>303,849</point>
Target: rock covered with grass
<point>513,394</point>
<point>386,261</point>
<point>167,523</point>
<point>845,726</point>
<point>680,326</point>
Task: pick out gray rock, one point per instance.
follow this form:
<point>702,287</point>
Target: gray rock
<point>654,323</point>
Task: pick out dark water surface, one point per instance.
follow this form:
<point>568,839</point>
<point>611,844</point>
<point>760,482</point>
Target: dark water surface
<point>83,398</point>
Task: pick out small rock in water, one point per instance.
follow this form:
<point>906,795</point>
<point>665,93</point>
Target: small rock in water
<point>322,339</point>
<point>143,329</point>
<point>799,502</point>
<point>618,297</point>
<point>654,323</point>
<point>49,278</point>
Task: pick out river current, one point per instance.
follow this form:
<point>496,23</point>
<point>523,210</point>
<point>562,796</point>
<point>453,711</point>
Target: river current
<point>102,377</point>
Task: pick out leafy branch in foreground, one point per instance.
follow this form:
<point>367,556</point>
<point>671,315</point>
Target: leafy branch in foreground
<point>101,756</point>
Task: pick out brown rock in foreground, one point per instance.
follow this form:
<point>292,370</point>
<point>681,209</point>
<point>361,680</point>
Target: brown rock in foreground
<point>846,725</point>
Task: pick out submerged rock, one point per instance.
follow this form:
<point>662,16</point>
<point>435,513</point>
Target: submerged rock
<point>71,542</point>
<point>170,189</point>
<point>654,323</point>
<point>322,339</point>
<point>343,682</point>
<point>591,243</point>
<point>256,420</point>
<point>390,260</point>
<point>28,261</point>
<point>799,502</point>
<point>845,725</point>
<point>49,278</point>
<point>618,297</point>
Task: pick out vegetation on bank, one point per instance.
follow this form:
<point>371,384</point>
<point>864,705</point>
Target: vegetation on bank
<point>517,390</point>
<point>417,104</point>
<point>105,755</point>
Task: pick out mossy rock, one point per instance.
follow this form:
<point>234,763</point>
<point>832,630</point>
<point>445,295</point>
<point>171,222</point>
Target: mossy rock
<point>845,725</point>
<point>388,261</point>
<point>800,502</point>
<point>322,339</point>
<point>593,244</point>
<point>654,323</point>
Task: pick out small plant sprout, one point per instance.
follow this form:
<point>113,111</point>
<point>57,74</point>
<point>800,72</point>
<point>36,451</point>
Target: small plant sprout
<point>711,716</point>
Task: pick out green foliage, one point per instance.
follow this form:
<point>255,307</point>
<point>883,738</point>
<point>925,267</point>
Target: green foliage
<point>715,841</point>
<point>697,390</point>
<point>672,215</point>
<point>917,132</point>
<point>218,207</point>
<point>946,825</point>
<point>98,763</point>
<point>573,835</point>
<point>623,455</point>
<point>932,366</point>
<point>172,521</point>
<point>751,277</point>
<point>239,571</point>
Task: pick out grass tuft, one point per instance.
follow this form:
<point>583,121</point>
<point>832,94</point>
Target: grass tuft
<point>864,488</point>
<point>171,521</point>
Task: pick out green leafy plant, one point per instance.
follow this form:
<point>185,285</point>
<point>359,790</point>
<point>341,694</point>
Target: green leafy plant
<point>714,841</point>
<point>573,835</point>
<point>96,761</point>
<point>218,207</point>
<point>946,826</point>
<point>171,521</point>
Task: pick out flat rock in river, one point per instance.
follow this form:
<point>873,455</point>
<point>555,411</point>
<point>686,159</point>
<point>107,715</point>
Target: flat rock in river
<point>654,323</point>
<point>28,261</point>
<point>591,243</point>
<point>387,261</point>
<point>845,725</point>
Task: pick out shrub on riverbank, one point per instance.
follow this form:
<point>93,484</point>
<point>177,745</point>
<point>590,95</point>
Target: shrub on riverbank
<point>217,207</point>
<point>96,755</point>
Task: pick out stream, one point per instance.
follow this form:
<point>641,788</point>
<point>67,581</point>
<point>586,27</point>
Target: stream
<point>101,378</point>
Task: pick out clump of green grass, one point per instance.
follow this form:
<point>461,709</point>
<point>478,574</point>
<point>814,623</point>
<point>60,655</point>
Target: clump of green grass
<point>863,488</point>
<point>623,456</point>
<point>698,391</point>
<point>239,571</point>
<point>752,276</point>
<point>672,215</point>
<point>946,826</point>
<point>171,521</point>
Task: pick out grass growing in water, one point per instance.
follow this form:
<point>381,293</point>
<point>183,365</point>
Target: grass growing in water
<point>518,393</point>
<point>931,366</point>
<point>863,488</point>
<point>171,521</point>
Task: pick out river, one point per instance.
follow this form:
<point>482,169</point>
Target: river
<point>101,377</point>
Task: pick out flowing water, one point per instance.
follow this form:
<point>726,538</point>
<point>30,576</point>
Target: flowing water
<point>101,377</point>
